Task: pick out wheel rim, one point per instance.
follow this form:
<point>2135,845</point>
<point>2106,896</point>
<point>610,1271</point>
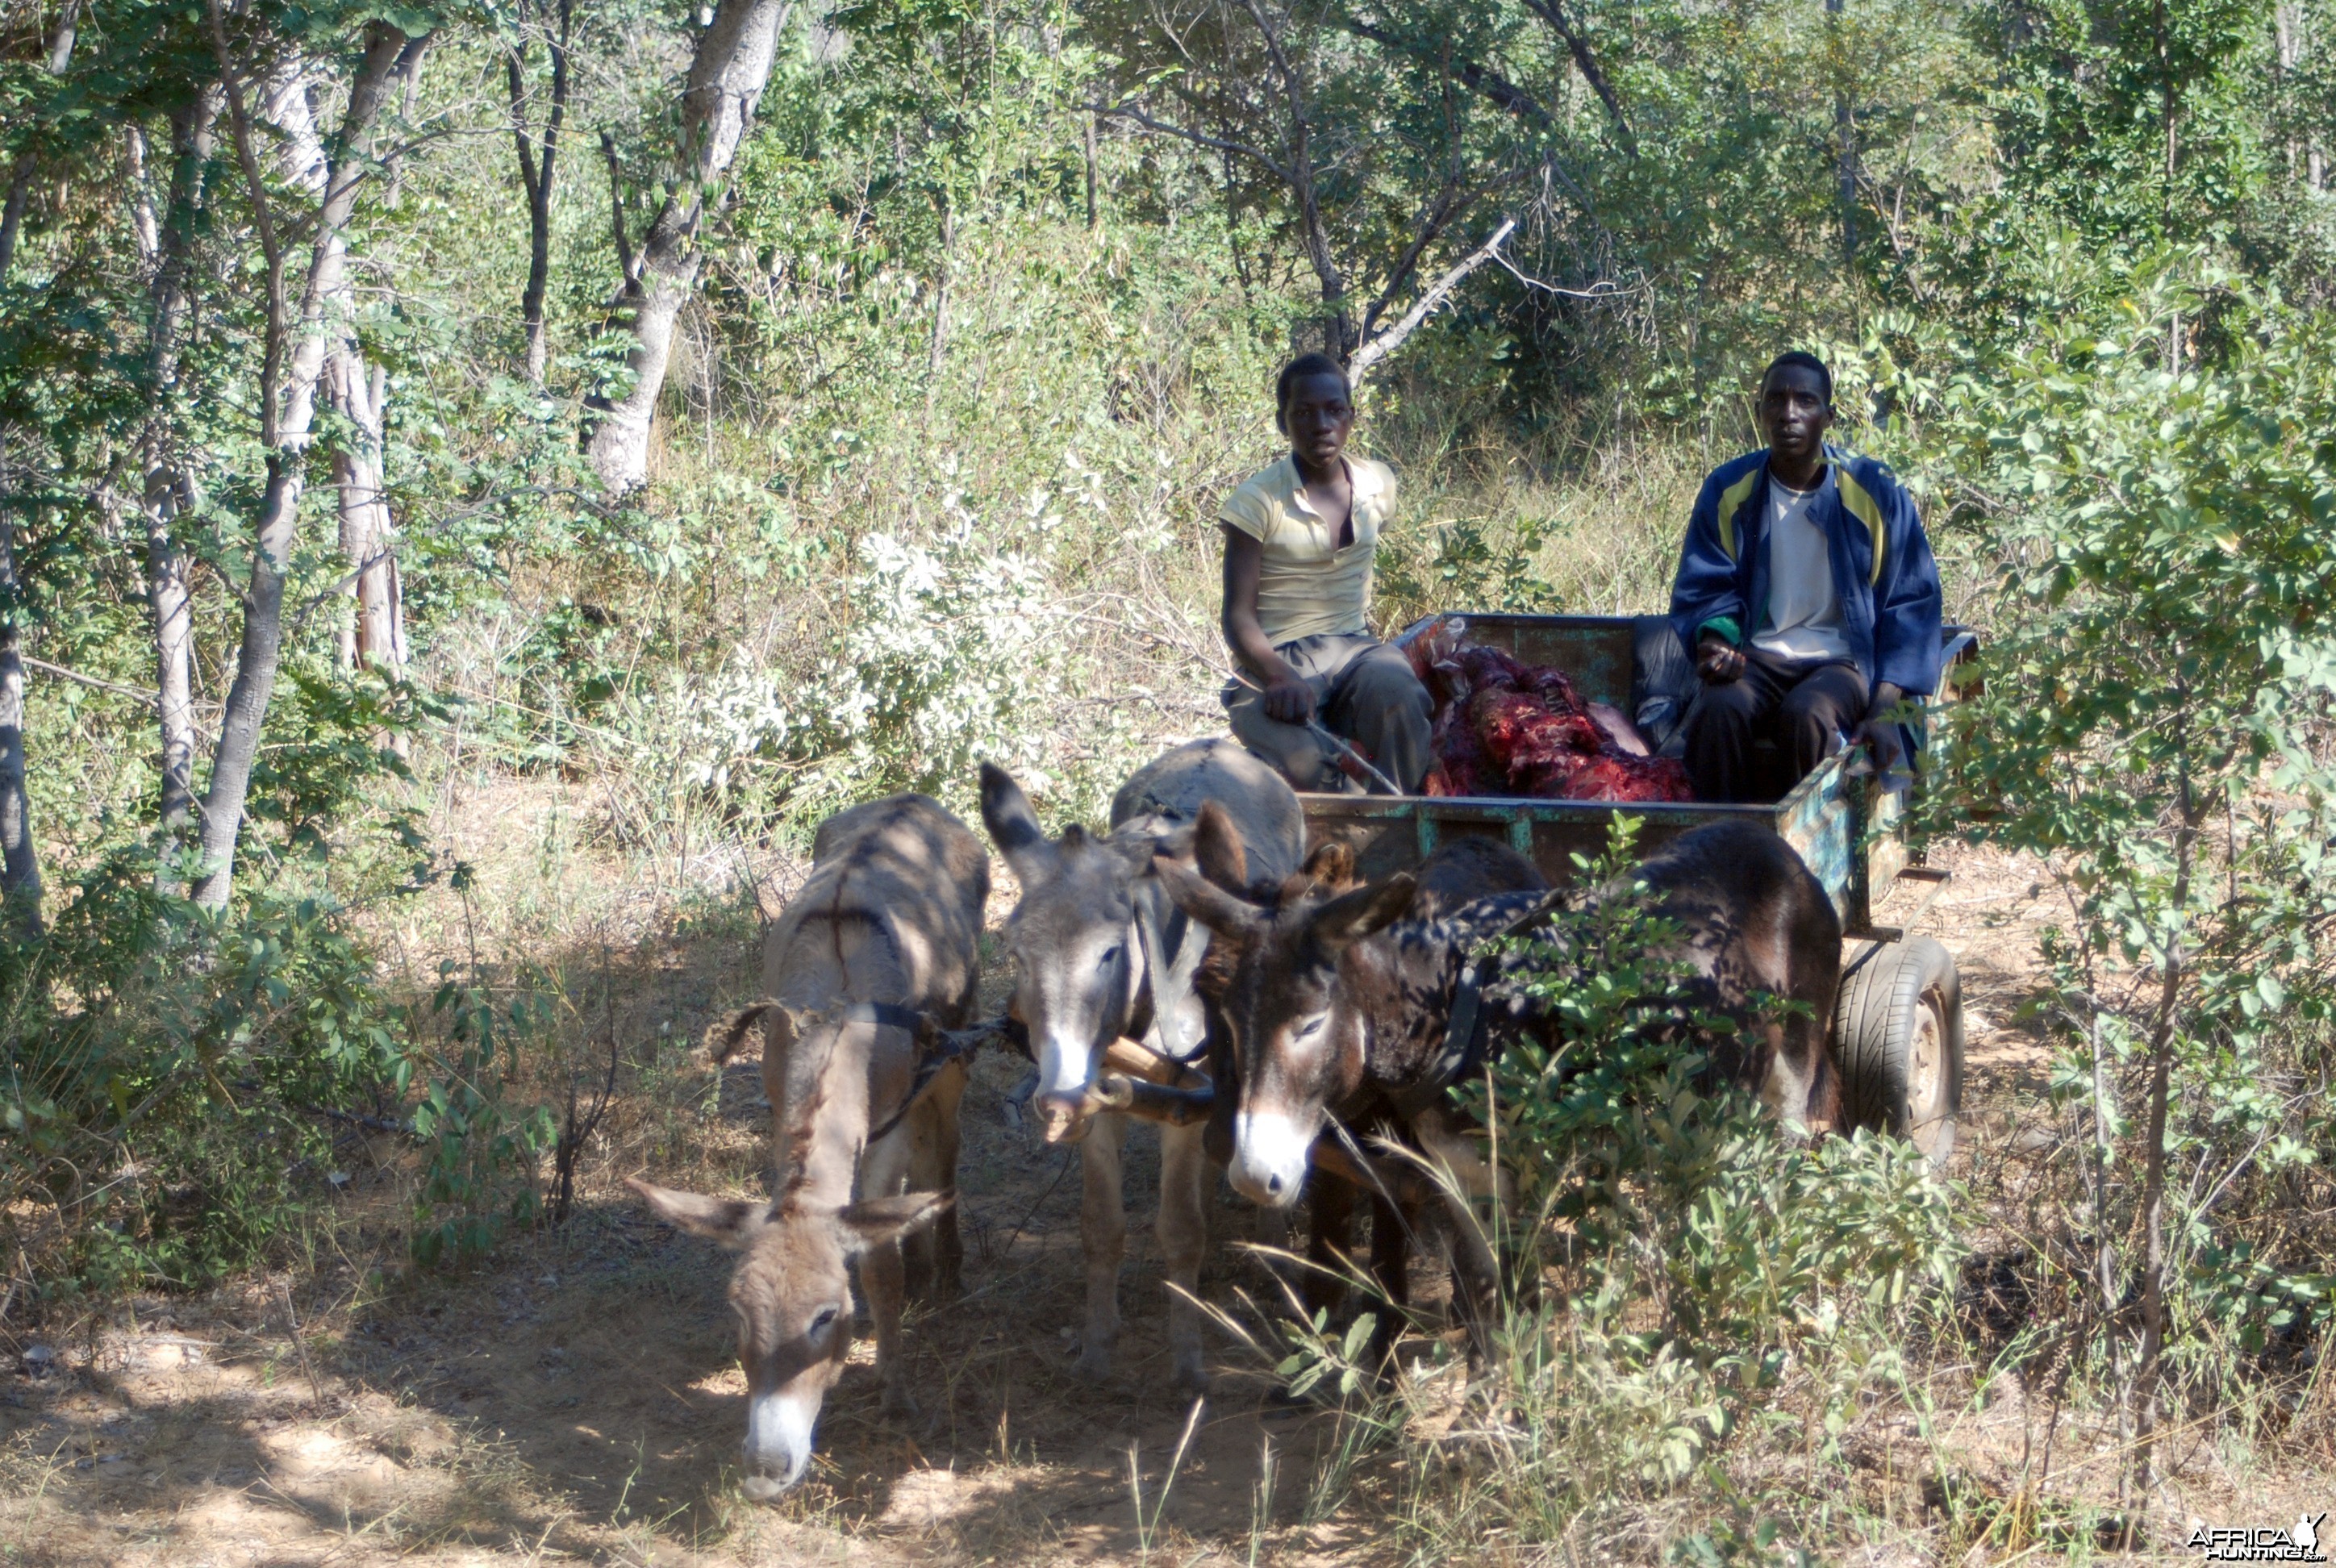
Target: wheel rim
<point>1926,1073</point>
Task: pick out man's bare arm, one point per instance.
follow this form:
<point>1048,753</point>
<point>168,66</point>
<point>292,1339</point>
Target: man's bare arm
<point>1287,698</point>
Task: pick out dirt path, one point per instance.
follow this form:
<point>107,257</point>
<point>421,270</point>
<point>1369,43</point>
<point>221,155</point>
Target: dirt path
<point>580,1398</point>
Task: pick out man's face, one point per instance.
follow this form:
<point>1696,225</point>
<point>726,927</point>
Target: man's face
<point>1793,411</point>
<point>1318,418</point>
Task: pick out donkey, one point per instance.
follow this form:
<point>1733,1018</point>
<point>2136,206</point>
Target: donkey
<point>1333,1006</point>
<point>875,956</point>
<point>1335,1011</point>
<point>1459,874</point>
<point>1103,957</point>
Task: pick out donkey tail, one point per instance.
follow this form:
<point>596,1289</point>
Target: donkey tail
<point>721,1037</point>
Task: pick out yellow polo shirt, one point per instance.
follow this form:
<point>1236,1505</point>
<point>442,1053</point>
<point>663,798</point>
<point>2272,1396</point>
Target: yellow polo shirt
<point>1305,585</point>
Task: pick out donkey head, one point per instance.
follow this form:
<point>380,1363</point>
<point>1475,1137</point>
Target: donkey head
<point>791,1292</point>
<point>1073,938</point>
<point>1273,980</point>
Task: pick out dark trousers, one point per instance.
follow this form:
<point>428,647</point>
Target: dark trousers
<point>1364,692</point>
<point>1805,709</point>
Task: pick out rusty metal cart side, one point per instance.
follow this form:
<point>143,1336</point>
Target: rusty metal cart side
<point>1898,1030</point>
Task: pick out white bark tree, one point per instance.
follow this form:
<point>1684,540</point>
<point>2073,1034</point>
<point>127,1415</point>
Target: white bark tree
<point>300,336</point>
<point>168,489</point>
<point>356,390</point>
<point>726,77</point>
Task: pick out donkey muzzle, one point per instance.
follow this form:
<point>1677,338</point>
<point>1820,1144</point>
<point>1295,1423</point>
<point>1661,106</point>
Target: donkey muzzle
<point>1270,1157</point>
<point>778,1444</point>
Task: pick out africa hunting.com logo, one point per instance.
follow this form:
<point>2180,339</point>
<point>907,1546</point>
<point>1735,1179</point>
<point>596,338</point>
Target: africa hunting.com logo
<point>2298,1542</point>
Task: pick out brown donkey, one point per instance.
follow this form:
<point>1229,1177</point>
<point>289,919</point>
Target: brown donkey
<point>876,955</point>
<point>1338,1007</point>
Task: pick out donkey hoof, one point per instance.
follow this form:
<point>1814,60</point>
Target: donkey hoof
<point>900,1405</point>
<point>1192,1381</point>
<point>1094,1365</point>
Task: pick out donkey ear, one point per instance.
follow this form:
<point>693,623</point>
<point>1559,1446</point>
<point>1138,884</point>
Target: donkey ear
<point>731,1222</point>
<point>1218,849</point>
<point>1203,900</point>
<point>1332,863</point>
<point>1351,917</point>
<point>1137,851</point>
<point>1012,826</point>
<point>872,1221</point>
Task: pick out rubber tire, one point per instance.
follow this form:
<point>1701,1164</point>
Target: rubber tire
<point>1898,1040</point>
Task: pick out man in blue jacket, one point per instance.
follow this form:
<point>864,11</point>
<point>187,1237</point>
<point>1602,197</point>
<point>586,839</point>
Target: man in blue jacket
<point>1807,596</point>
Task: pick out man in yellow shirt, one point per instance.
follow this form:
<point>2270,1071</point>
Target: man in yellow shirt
<point>1300,538</point>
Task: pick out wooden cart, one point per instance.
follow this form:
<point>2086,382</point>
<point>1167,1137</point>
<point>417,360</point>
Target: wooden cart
<point>1898,1029</point>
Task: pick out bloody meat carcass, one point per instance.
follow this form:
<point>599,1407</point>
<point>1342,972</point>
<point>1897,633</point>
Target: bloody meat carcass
<point>1506,728</point>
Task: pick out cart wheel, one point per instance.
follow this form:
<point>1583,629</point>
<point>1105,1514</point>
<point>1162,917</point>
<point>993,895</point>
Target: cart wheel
<point>1898,1038</point>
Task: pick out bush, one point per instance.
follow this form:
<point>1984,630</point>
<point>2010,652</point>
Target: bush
<point>166,1072</point>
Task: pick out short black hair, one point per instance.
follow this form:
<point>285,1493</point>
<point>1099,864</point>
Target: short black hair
<point>1806,361</point>
<point>1307,364</point>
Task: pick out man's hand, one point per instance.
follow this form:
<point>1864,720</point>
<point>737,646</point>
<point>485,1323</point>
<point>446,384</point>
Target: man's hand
<point>1716,660</point>
<point>1881,732</point>
<point>1888,745</point>
<point>1288,700</point>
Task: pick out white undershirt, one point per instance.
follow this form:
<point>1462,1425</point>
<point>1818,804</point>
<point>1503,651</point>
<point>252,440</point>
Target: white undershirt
<point>1803,619</point>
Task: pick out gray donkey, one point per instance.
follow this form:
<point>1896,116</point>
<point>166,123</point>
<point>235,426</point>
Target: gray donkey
<point>1104,956</point>
<point>877,954</point>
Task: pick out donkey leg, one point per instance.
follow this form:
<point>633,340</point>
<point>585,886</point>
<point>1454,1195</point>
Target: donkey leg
<point>1391,1269</point>
<point>1329,1246</point>
<point>1475,1273</point>
<point>883,1276</point>
<point>942,1246</point>
<point>1184,1239</point>
<point>1102,1237</point>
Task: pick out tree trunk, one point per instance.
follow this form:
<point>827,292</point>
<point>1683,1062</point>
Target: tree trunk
<point>1845,124</point>
<point>2173,962</point>
<point>939,347</point>
<point>166,489</point>
<point>12,208</point>
<point>287,412</point>
<point>20,860</point>
<point>1095,214</point>
<point>376,633</point>
<point>535,173</point>
<point>726,77</point>
<point>1578,45</point>
<point>1340,338</point>
<point>357,393</point>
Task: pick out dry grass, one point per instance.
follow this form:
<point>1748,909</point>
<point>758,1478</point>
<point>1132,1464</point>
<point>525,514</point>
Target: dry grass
<point>576,1397</point>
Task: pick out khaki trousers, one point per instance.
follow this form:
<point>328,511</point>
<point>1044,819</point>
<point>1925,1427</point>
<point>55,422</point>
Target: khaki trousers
<point>1364,692</point>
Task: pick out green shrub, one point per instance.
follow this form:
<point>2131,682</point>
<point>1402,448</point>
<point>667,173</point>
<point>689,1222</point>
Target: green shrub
<point>166,1072</point>
<point>484,1151</point>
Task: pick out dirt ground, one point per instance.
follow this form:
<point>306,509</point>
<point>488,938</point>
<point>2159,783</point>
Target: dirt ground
<point>577,1398</point>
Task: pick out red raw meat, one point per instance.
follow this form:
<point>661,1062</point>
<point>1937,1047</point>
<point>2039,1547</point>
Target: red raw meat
<point>1460,761</point>
<point>1506,728</point>
<point>1620,776</point>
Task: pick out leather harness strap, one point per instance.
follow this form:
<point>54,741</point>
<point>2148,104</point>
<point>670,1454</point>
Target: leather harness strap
<point>1466,1046</point>
<point>893,1016</point>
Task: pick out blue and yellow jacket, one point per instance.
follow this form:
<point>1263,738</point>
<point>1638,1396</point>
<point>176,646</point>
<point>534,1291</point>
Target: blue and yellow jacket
<point>1881,566</point>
